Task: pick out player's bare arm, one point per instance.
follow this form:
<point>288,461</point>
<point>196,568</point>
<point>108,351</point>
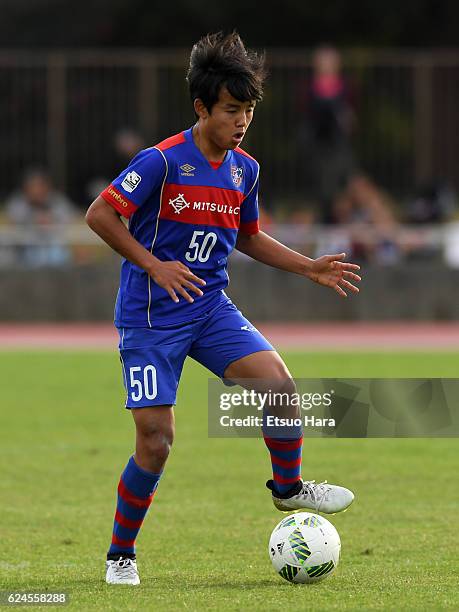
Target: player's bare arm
<point>328,270</point>
<point>173,276</point>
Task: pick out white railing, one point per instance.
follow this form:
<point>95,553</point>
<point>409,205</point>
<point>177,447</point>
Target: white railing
<point>55,245</point>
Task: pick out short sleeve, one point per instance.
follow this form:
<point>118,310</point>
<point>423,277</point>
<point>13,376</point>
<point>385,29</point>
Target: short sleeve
<point>249,211</point>
<point>136,183</point>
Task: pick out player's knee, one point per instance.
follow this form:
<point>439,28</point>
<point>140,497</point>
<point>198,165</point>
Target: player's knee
<point>157,446</point>
<point>156,441</point>
<point>280,378</point>
<point>283,386</point>
<point>288,385</point>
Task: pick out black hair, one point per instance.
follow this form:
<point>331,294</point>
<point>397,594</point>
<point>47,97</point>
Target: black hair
<point>219,60</point>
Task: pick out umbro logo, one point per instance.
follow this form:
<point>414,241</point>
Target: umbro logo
<point>249,328</point>
<point>179,203</point>
<point>187,170</point>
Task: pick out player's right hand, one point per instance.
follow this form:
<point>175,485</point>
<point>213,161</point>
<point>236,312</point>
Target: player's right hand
<point>175,277</point>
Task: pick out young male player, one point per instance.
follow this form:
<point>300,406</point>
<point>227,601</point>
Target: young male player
<point>190,201</point>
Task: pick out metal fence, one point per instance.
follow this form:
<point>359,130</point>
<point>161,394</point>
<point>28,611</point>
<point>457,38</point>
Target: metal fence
<point>61,110</point>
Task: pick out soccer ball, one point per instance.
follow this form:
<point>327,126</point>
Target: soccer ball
<point>304,547</point>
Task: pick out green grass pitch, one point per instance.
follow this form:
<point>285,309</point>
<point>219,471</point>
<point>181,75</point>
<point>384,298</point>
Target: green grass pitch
<point>65,439</point>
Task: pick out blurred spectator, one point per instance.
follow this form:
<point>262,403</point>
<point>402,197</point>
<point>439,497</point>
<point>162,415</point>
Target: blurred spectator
<point>328,122</point>
<point>127,142</point>
<point>367,214</point>
<point>38,208</point>
<point>435,202</point>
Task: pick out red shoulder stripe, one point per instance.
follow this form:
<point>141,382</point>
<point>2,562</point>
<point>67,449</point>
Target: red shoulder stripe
<point>242,152</point>
<point>172,141</point>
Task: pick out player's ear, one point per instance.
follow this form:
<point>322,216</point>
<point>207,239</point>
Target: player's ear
<point>200,109</point>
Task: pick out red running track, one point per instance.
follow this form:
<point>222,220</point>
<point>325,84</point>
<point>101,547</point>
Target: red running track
<point>345,336</point>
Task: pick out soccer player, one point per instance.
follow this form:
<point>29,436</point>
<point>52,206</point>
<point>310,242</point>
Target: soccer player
<point>190,201</point>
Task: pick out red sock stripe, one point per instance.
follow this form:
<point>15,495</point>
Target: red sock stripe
<point>281,480</point>
<point>123,543</point>
<point>132,499</point>
<point>125,522</point>
<point>283,445</point>
<point>285,464</point>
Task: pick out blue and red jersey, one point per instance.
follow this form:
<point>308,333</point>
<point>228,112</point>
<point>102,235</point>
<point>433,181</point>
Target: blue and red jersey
<point>182,208</point>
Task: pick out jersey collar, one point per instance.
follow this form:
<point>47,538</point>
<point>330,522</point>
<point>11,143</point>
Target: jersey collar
<point>189,138</point>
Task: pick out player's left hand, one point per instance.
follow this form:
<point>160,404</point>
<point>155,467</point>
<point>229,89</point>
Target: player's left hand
<point>331,271</point>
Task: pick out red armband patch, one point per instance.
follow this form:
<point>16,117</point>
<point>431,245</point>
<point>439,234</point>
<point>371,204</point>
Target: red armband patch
<point>250,228</point>
<point>119,201</point>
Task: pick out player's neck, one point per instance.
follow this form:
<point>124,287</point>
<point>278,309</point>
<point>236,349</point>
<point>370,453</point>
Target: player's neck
<point>209,149</point>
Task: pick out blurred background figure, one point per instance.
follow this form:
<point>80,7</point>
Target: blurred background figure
<point>329,118</point>
<point>369,214</point>
<point>435,202</point>
<point>127,142</point>
<point>40,211</point>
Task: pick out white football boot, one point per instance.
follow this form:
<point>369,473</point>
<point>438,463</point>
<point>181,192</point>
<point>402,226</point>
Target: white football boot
<point>122,571</point>
<point>319,497</point>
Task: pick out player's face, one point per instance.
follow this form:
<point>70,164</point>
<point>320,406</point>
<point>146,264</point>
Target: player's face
<point>228,122</point>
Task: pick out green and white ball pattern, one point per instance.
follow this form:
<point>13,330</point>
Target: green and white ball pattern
<point>304,547</point>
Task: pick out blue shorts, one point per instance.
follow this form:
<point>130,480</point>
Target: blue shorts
<point>152,358</point>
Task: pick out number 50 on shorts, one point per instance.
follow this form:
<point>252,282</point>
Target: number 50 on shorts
<point>143,382</point>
